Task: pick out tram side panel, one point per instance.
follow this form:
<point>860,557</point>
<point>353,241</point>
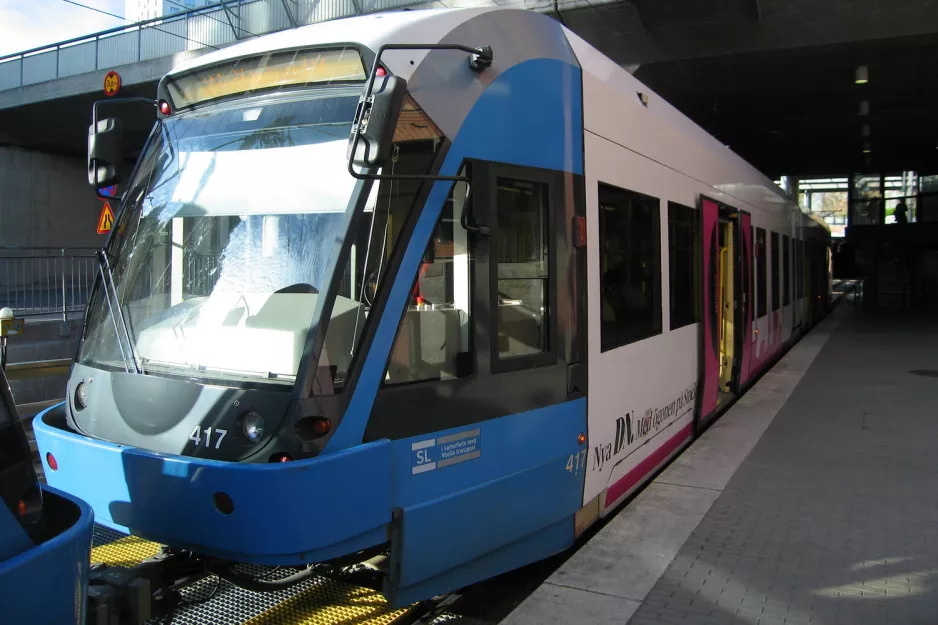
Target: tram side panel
<point>488,469</point>
<point>643,374</point>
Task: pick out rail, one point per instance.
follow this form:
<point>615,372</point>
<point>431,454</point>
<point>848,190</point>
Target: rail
<point>43,281</point>
<point>214,26</point>
<point>37,369</point>
<point>211,26</point>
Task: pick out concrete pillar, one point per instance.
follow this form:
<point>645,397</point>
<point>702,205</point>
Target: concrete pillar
<point>45,201</point>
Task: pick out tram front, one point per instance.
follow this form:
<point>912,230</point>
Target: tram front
<point>226,256</point>
<point>236,285</point>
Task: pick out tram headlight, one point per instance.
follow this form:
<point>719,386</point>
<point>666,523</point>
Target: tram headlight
<point>81,396</point>
<point>252,426</point>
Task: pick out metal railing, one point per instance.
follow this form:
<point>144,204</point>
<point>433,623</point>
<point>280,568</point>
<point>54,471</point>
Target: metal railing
<point>213,26</point>
<point>43,281</point>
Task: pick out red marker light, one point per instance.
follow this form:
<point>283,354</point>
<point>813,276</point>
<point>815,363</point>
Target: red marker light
<point>579,232</point>
<point>381,72</point>
<point>21,507</point>
<point>164,108</point>
<point>280,457</point>
<point>322,426</point>
<point>50,460</point>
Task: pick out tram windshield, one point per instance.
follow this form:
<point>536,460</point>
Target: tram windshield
<point>225,242</point>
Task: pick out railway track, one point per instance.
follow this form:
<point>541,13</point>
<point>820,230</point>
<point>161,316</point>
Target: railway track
<point>347,596</point>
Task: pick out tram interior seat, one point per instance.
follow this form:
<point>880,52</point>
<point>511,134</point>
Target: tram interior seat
<point>273,339</point>
<point>291,309</point>
<point>519,330</point>
<point>428,346</point>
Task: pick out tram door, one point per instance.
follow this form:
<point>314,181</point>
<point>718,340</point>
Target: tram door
<point>726,311</point>
<point>710,328</point>
<point>725,267</point>
<point>744,338</point>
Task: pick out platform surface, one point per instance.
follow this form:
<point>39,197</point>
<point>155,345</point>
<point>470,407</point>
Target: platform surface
<point>812,500</point>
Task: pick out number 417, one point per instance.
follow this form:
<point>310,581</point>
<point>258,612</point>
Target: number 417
<point>196,436</point>
<point>575,461</point>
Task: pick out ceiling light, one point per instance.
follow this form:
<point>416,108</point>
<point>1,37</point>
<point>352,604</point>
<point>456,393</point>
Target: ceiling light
<point>866,147</point>
<point>862,75</point>
<point>865,107</point>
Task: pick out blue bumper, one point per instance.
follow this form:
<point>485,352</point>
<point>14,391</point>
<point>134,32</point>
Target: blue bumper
<point>47,584</point>
<point>285,513</point>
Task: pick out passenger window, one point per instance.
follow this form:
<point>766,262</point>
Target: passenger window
<point>684,250</point>
<point>786,269</point>
<point>760,272</point>
<point>775,271</point>
<point>522,257</point>
<point>752,275</point>
<point>629,265</point>
<point>799,274</point>
<point>434,338</point>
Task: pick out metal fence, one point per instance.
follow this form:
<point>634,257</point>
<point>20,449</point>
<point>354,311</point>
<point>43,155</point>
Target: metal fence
<point>215,25</point>
<point>43,281</point>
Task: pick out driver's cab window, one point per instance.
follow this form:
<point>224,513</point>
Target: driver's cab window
<point>417,142</point>
<point>434,338</point>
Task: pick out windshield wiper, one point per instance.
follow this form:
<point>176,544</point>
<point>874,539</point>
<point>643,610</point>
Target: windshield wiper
<point>107,281</point>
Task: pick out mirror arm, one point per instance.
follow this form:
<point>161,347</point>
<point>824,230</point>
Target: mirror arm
<point>479,59</point>
<point>117,199</point>
<point>94,107</point>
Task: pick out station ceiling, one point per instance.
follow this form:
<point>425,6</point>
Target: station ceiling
<point>772,79</point>
<point>775,79</point>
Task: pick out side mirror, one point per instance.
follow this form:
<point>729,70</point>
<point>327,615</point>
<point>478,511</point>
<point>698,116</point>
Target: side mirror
<point>105,153</point>
<point>375,122</point>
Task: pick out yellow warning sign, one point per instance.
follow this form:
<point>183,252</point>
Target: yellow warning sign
<point>106,220</point>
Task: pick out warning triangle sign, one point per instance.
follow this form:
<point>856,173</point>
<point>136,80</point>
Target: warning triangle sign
<point>106,220</point>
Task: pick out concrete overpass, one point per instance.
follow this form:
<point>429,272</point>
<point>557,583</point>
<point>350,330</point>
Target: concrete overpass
<point>773,79</point>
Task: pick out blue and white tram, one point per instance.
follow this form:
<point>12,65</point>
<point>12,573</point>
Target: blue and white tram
<point>454,320</point>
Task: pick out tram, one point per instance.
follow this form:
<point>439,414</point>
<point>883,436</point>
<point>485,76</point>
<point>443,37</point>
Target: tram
<point>45,535</point>
<point>436,289</point>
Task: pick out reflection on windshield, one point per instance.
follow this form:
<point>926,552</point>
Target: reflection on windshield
<point>232,221</point>
<point>228,232</point>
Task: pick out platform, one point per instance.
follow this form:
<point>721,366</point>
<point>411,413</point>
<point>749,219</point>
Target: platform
<point>812,500</point>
